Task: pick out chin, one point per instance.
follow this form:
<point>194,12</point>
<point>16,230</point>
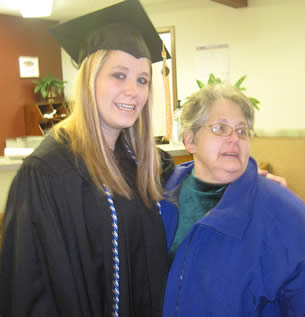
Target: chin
<point>127,124</point>
<point>233,174</point>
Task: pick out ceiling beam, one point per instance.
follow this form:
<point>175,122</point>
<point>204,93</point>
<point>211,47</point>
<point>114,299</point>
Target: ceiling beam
<point>233,3</point>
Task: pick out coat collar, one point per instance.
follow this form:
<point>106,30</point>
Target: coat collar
<point>233,213</point>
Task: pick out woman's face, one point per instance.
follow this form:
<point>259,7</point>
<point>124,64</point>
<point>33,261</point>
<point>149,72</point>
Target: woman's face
<point>217,159</point>
<point>122,89</point>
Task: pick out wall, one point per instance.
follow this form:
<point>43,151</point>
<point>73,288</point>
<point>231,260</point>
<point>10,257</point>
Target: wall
<point>286,157</point>
<point>22,37</point>
<point>265,42</point>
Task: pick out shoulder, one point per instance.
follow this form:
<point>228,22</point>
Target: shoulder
<point>52,157</point>
<point>48,177</point>
<point>281,205</point>
<point>276,194</point>
<point>267,194</point>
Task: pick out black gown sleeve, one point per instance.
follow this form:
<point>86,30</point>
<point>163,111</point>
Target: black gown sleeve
<point>35,271</point>
<point>22,289</point>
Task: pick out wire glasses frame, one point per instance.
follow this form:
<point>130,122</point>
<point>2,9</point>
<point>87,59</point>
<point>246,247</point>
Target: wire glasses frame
<point>224,130</point>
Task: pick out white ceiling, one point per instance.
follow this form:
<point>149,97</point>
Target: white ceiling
<point>67,9</point>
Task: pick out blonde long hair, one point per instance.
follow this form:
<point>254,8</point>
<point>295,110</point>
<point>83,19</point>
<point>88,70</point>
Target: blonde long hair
<point>88,141</point>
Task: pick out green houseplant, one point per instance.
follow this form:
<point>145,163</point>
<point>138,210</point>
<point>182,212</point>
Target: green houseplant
<point>49,86</point>
<point>216,80</point>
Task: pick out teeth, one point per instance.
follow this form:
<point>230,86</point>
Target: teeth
<point>126,107</point>
<point>232,154</point>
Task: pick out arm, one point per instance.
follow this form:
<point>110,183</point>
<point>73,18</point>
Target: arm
<point>22,288</point>
<point>292,296</point>
<point>167,165</point>
<point>36,273</point>
<point>288,266</point>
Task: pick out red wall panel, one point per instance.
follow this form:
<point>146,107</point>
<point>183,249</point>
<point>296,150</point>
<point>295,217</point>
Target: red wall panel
<point>22,37</point>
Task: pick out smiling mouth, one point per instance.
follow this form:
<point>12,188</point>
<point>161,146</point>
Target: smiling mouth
<point>125,107</point>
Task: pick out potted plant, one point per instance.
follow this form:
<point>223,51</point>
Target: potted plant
<point>49,86</point>
<point>216,80</point>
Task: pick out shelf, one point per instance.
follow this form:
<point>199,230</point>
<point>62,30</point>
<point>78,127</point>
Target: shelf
<point>41,117</point>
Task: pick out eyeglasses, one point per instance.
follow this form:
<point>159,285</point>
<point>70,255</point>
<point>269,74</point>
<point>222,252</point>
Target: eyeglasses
<point>222,129</point>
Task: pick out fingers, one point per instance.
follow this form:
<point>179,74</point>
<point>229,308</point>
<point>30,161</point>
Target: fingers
<point>278,179</point>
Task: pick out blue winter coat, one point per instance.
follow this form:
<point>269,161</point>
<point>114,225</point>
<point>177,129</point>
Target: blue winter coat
<point>246,257</point>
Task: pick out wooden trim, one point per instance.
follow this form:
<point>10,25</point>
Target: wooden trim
<point>171,30</point>
<point>233,3</point>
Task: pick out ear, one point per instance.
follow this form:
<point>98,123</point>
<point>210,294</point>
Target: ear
<point>189,142</point>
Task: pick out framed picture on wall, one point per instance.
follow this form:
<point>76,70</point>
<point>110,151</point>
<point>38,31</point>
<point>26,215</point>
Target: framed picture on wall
<point>28,67</point>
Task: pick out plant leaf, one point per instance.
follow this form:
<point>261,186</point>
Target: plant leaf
<point>212,80</point>
<point>200,83</point>
<point>255,102</point>
<point>240,81</point>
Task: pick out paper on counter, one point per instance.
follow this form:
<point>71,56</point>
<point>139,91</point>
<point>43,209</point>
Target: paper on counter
<point>17,153</point>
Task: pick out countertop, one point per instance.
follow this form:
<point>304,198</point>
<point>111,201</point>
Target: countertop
<point>9,164</point>
<point>14,163</point>
<point>174,149</point>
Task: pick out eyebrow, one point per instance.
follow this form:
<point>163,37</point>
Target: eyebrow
<point>223,120</point>
<point>121,67</point>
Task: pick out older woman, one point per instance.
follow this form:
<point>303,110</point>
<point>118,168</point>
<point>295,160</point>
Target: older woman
<point>236,245</point>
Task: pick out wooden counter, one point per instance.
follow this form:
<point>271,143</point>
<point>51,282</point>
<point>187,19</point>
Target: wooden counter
<point>177,151</point>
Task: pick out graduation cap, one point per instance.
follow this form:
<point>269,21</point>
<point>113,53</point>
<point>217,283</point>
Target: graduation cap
<point>124,26</point>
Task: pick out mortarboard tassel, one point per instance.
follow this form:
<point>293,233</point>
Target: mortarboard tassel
<point>168,107</point>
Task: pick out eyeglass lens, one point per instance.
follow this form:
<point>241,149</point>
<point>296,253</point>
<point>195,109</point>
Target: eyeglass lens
<point>222,129</point>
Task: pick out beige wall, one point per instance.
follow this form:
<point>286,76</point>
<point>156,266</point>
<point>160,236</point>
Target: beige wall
<point>287,159</point>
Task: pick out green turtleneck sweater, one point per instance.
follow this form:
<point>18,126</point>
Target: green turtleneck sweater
<point>196,198</point>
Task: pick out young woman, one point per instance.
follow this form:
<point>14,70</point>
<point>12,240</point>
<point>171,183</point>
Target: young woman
<point>83,235</point>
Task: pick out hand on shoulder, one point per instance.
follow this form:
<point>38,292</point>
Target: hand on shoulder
<point>281,180</point>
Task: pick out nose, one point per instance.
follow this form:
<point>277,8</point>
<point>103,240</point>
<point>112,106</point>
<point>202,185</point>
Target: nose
<point>130,88</point>
<point>233,137</point>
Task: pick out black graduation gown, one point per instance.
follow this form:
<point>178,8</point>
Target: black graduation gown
<point>56,257</point>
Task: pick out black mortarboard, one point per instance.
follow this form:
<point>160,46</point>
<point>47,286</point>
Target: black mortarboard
<point>122,26</point>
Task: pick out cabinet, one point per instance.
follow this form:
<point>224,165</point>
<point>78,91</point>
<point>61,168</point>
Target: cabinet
<point>182,159</point>
<point>40,117</point>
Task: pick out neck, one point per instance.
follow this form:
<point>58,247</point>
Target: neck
<point>111,138</point>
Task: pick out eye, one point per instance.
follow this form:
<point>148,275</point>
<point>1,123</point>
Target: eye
<point>119,76</point>
<point>143,81</point>
<point>219,128</point>
<point>243,131</point>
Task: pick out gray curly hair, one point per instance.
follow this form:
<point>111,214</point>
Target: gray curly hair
<point>198,106</point>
